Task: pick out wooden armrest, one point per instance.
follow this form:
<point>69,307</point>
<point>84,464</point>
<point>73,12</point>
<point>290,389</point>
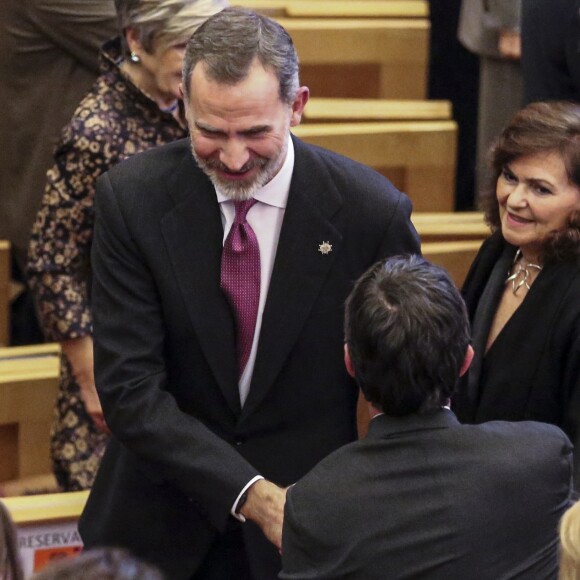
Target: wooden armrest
<point>336,110</point>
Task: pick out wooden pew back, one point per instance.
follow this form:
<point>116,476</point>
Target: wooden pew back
<point>46,527</point>
<point>339,8</point>
<point>4,293</point>
<point>456,257</point>
<point>373,58</point>
<point>328,110</point>
<point>418,157</point>
<point>450,226</point>
<point>29,378</point>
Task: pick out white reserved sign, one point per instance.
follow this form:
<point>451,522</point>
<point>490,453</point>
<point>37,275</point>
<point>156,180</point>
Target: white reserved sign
<point>40,545</point>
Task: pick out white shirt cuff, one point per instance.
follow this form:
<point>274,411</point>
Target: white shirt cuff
<point>240,517</point>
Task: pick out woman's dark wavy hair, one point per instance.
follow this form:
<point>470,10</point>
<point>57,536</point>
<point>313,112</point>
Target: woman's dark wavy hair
<point>539,128</point>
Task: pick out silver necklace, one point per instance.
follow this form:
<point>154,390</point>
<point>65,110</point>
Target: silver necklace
<point>522,275</point>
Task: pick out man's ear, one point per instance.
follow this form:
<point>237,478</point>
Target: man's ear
<point>469,354</point>
<point>302,95</point>
<point>348,361</point>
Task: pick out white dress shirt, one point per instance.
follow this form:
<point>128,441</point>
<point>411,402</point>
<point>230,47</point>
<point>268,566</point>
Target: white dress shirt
<point>265,218</point>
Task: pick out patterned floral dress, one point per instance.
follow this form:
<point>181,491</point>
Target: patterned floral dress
<point>114,121</point>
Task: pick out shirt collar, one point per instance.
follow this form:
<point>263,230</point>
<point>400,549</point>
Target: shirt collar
<point>276,191</point>
<point>387,425</point>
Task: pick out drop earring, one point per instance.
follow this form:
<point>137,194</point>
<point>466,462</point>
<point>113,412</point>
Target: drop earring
<point>135,57</point>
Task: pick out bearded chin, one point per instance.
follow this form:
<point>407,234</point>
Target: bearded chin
<point>237,191</point>
<point>234,191</point>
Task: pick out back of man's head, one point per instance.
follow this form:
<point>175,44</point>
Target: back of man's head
<point>407,334</point>
<point>229,42</point>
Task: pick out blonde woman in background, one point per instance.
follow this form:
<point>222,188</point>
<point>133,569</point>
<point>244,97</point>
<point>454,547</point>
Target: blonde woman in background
<point>570,544</point>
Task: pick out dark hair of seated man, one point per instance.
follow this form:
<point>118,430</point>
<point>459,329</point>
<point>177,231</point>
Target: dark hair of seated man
<point>407,334</point>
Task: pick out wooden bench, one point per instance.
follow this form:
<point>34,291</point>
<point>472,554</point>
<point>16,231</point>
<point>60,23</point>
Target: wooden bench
<point>46,508</point>
<point>456,257</point>
<point>450,226</point>
<point>4,293</point>
<point>329,110</point>
<point>339,8</point>
<point>418,157</point>
<point>46,527</point>
<point>373,58</point>
<point>29,377</point>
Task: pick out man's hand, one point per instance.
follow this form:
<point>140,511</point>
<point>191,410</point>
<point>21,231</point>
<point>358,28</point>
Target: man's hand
<point>79,352</point>
<point>265,507</point>
<point>510,44</point>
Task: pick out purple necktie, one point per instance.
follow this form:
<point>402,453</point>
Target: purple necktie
<point>240,278</point>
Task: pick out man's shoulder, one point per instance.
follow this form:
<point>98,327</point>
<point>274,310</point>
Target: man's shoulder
<point>496,441</point>
<point>517,429</point>
<point>155,162</point>
<point>525,440</point>
<point>153,178</point>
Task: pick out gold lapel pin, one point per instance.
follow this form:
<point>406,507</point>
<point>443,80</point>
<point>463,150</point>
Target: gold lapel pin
<point>325,248</point>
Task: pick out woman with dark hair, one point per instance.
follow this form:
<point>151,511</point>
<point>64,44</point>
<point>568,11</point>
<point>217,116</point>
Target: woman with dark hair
<point>133,106</point>
<point>523,289</point>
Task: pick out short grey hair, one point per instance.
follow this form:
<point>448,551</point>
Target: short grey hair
<point>166,21</point>
<point>229,42</point>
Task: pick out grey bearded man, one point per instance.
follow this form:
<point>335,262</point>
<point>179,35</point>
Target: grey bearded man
<point>219,399</point>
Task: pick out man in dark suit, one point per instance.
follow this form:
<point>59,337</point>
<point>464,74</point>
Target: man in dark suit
<point>220,395</point>
<point>424,496</point>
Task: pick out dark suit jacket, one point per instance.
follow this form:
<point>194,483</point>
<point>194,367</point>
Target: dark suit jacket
<point>165,347</point>
<point>551,50</point>
<point>426,497</point>
<point>532,370</point>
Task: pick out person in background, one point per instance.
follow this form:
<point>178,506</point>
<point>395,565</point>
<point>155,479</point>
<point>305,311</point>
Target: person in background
<point>134,105</point>
<point>423,496</point>
<point>220,266</point>
<point>523,286</point>
<point>10,565</point>
<point>491,29</point>
<point>551,50</point>
<point>454,76</point>
<point>48,61</point>
<point>570,544</point>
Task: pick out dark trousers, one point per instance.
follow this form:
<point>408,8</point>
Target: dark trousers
<point>226,559</point>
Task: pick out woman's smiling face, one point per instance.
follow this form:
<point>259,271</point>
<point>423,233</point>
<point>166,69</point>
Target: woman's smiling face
<point>535,198</point>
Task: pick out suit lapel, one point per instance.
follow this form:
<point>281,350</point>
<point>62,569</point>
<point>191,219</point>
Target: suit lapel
<point>299,271</point>
<point>193,234</point>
